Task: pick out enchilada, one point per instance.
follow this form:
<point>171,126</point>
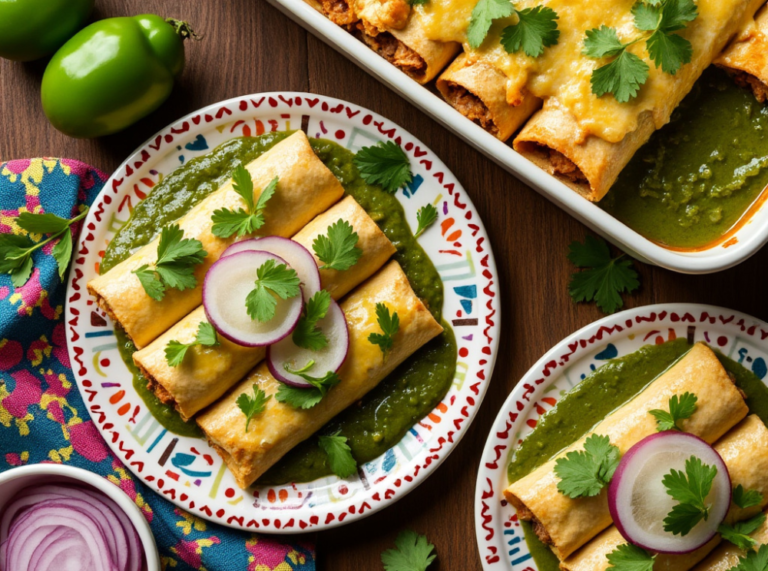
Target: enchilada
<point>281,427</point>
<point>745,452</point>
<point>306,188</point>
<point>567,524</point>
<point>209,372</point>
<point>746,58</point>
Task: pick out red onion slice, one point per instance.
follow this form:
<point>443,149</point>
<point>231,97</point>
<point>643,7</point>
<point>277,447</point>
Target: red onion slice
<point>639,502</point>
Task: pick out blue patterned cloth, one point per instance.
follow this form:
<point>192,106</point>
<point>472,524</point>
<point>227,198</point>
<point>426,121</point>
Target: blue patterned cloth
<point>43,418</point>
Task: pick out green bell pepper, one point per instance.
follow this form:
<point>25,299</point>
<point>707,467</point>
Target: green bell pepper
<point>113,73</point>
<point>32,29</point>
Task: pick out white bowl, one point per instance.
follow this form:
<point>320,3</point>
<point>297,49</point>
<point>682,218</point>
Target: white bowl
<point>15,479</point>
<point>749,238</point>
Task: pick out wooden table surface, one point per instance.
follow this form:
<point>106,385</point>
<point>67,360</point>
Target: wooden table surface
<point>250,47</point>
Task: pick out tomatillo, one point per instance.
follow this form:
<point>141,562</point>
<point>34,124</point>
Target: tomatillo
<point>113,73</point>
<point>31,29</point>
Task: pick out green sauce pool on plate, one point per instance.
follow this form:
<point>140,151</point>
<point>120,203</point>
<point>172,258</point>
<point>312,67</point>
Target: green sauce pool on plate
<point>698,175</point>
<point>604,390</point>
<point>407,395</point>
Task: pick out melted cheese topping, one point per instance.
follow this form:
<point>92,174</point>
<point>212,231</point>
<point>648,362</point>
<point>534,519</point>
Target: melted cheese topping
<point>561,76</point>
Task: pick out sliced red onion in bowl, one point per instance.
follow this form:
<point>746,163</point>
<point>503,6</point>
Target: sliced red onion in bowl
<point>295,255</point>
<point>60,527</point>
<point>639,502</point>
<point>227,285</point>
<point>330,358</point>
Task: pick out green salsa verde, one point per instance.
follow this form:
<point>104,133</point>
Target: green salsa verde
<point>381,418</point>
<point>698,175</point>
<point>601,392</point>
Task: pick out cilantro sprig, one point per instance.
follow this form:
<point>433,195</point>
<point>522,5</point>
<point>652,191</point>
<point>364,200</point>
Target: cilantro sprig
<point>175,351</point>
<point>584,473</point>
<point>252,405</point>
<point>307,334</point>
<point>690,489</point>
<point>753,561</point>
<point>16,250</point>
<point>657,20</point>
<point>339,454</point>
<point>241,222</point>
<point>628,557</point>
<point>604,278</point>
<point>738,533</point>
<point>385,164</point>
<point>175,266</point>
<point>425,217</point>
<point>535,30</point>
<point>746,498</point>
<point>338,249</point>
<point>273,281</point>
<point>680,408</point>
<point>389,324</point>
<point>305,398</point>
<point>413,552</point>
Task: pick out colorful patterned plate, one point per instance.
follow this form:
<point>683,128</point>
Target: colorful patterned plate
<point>740,337</point>
<point>186,470</point>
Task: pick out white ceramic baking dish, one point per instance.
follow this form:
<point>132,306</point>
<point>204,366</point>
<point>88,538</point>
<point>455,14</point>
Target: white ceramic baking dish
<point>748,239</point>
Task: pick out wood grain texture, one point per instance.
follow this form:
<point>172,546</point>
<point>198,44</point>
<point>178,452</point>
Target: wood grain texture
<point>250,47</point>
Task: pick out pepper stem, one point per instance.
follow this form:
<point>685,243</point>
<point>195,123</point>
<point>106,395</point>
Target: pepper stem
<point>183,29</point>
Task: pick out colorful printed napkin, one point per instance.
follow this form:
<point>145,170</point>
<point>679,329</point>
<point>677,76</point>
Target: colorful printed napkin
<point>43,418</point>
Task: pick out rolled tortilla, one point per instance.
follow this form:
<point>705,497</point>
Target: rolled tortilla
<point>306,188</point>
<point>340,12</point>
<point>746,58</point>
<point>281,427</point>
<point>727,555</point>
<point>405,46</point>
<point>566,147</point>
<point>208,372</point>
<point>567,524</point>
<point>745,453</point>
<point>478,90</point>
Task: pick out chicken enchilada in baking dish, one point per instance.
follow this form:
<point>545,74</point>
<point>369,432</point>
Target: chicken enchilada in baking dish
<point>579,88</point>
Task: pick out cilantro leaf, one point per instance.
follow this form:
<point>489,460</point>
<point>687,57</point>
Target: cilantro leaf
<point>754,560</point>
<point>62,252</point>
<point>746,498</point>
<point>647,16</point>
<point>338,250</point>
<point>175,351</point>
<point>252,405</point>
<point>412,552</point>
<point>243,185</point>
<point>417,2</point>
<point>676,14</point>
<point>690,489</point>
<point>47,223</point>
<point>602,42</point>
<point>584,473</point>
<point>339,454</point>
<point>680,408</point>
<point>176,258</point>
<point>628,557</point>
<point>738,533</point>
<point>389,323</point>
<point>385,164</point>
<point>622,77</point>
<point>425,216</point>
<point>16,250</point>
<point>307,334</point>
<point>150,282</point>
<point>535,30</point>
<point>271,280</point>
<point>227,223</point>
<point>669,51</point>
<point>483,15</point>
<point>605,279</point>
<point>305,398</point>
